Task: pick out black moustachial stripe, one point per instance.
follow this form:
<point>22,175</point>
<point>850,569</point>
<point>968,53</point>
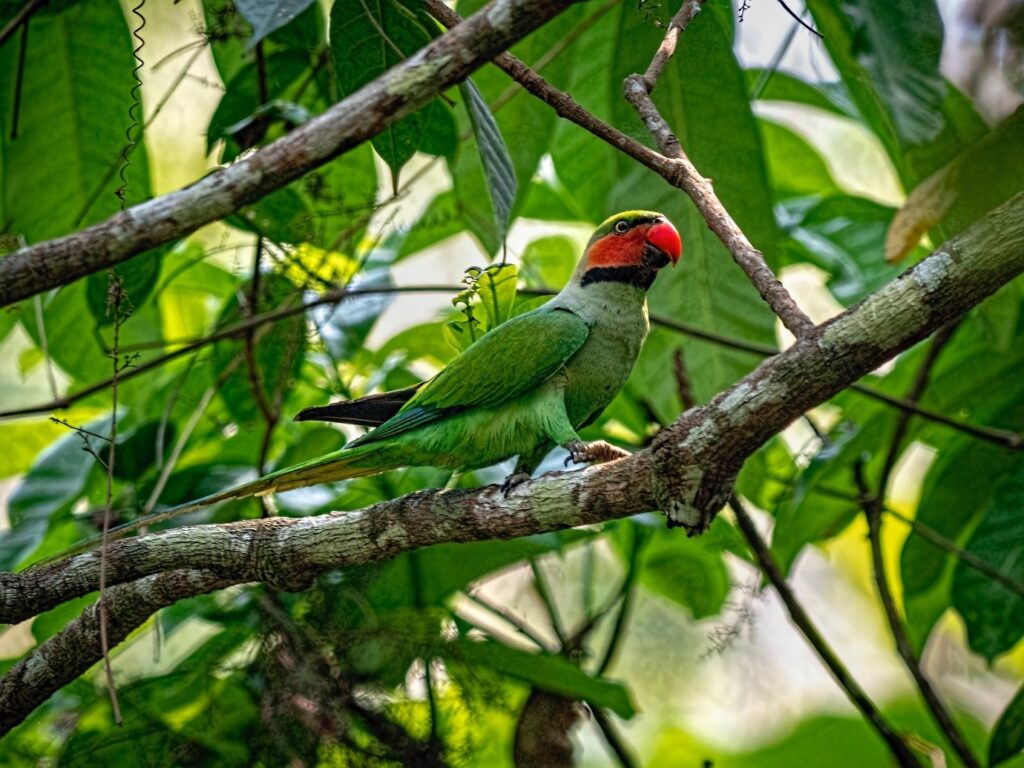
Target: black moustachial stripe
<point>641,275</point>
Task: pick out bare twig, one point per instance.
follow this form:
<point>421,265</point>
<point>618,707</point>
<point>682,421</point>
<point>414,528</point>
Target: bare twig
<point>872,505</point>
<point>969,559</point>
<point>540,583</point>
<point>683,385</point>
<point>800,21</point>
<point>44,347</point>
<point>628,592</point>
<point>613,738</point>
<point>667,49</point>
<point>519,624</point>
<point>637,89</point>
<point>21,17</point>
<point>115,302</point>
<point>857,696</point>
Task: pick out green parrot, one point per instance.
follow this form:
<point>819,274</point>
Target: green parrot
<point>521,389</point>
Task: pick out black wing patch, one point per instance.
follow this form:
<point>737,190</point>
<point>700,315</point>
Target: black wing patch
<point>369,411</point>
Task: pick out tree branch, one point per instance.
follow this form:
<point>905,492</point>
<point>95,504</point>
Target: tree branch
<point>857,696</point>
<point>687,471</point>
<point>71,652</point>
<point>401,90</point>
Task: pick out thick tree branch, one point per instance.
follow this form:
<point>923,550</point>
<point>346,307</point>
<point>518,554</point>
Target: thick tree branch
<point>401,90</point>
<point>70,653</point>
<point>687,472</point>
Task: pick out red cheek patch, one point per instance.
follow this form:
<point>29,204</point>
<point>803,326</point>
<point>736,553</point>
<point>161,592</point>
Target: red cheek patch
<point>618,250</point>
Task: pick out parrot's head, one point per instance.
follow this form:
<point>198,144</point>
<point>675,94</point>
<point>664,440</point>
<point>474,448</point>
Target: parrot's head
<point>630,247</point>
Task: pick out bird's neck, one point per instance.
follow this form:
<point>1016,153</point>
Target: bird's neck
<point>597,301</point>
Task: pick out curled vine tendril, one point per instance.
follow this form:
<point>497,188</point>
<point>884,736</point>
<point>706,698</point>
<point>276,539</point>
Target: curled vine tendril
<point>134,122</point>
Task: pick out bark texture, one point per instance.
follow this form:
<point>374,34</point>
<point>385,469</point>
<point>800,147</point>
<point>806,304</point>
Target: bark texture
<point>401,90</point>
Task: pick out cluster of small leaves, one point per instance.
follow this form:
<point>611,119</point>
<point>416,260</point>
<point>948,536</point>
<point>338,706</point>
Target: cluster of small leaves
<point>337,674</point>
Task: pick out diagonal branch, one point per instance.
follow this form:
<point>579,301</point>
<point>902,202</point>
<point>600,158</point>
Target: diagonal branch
<point>638,89</point>
<point>398,92</point>
<point>687,472</point>
<point>857,696</point>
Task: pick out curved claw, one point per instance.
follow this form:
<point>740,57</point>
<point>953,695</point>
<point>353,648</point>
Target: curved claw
<point>596,452</point>
<point>513,481</point>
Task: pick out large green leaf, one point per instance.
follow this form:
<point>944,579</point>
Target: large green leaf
<point>501,176</point>
<point>993,614</point>
<point>75,96</point>
<point>887,53</point>
<point>367,38</point>
<point>550,673</point>
<point>795,168</point>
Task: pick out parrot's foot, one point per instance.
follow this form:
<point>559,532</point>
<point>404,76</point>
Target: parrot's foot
<point>596,452</point>
<point>513,481</point>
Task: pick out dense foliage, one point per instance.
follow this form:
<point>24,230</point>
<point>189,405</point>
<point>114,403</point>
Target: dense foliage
<point>382,664</point>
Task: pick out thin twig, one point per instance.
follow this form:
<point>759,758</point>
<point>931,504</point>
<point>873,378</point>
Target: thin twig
<point>800,21</point>
<point>687,12</point>
<point>519,624</point>
<point>872,504</point>
<point>637,89</point>
<point>628,592</point>
<point>115,298</point>
<point>613,738</point>
<point>44,347</point>
<point>683,386</point>
<point>21,17</point>
<point>969,559</point>
<point>856,694</point>
<point>541,585</point>
<point>906,651</point>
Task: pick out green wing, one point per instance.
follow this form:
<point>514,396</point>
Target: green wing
<point>506,362</point>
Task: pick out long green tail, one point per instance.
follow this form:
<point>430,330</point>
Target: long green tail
<point>341,465</point>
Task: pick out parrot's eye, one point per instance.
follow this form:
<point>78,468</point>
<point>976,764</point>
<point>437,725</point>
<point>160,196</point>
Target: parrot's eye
<point>621,227</point>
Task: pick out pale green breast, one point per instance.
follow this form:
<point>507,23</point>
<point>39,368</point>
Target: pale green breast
<point>618,327</point>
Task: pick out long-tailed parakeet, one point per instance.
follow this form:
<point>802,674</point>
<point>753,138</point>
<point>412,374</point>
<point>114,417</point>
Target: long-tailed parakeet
<point>521,389</point>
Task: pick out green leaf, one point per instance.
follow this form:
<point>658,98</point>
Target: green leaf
<point>45,496</point>
<point>75,96</point>
<point>985,175</point>
<point>780,86</point>
<point>687,572</point>
<point>993,614</point>
<point>550,673</point>
<point>549,261</point>
<point>265,16</point>
<point>494,156</point>
<point>887,53</point>
<point>368,37</point>
<point>1008,735</point>
<point>845,236</point>
<point>795,168</point>
<point>242,97</point>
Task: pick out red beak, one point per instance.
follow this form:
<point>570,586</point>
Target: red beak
<point>665,238</point>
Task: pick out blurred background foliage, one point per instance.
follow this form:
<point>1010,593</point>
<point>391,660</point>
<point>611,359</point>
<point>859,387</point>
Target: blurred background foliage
<point>843,159</point>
